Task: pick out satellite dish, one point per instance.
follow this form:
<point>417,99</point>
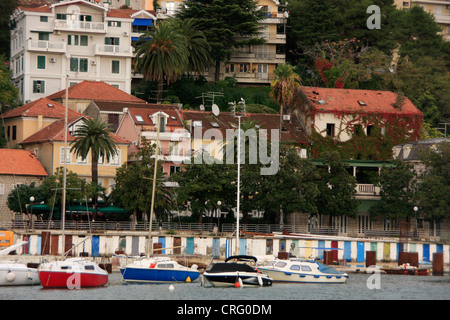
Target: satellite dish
<point>202,107</point>
<point>215,110</point>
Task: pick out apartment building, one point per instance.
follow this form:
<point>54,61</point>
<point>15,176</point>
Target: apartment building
<point>440,9</point>
<point>82,40</point>
<point>250,65</point>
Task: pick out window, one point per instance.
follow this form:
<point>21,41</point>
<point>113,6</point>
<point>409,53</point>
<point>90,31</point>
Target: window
<point>65,155</point>
<point>85,17</point>
<point>114,24</point>
<point>61,16</point>
<point>262,68</point>
<point>306,268</point>
<point>43,36</point>
<point>84,41</point>
<point>43,18</point>
<point>330,129</point>
<point>369,129</point>
<point>280,264</point>
<point>14,132</point>
<point>41,62</point>
<point>115,68</point>
<point>75,40</point>
<point>112,41</point>
<point>174,169</point>
<point>80,160</point>
<point>38,86</point>
<point>115,159</point>
<point>139,118</point>
<point>295,267</point>
<point>79,64</point>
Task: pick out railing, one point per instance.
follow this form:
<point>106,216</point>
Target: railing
<point>80,25</point>
<point>102,226</point>
<point>113,50</point>
<point>50,46</point>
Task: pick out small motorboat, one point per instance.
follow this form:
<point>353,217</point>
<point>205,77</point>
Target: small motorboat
<point>236,274</point>
<point>72,273</point>
<point>158,269</point>
<point>302,271</point>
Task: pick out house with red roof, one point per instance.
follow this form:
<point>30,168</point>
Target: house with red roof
<point>17,167</point>
<point>22,122</point>
<point>141,122</point>
<point>48,145</point>
<point>81,94</point>
<point>344,113</point>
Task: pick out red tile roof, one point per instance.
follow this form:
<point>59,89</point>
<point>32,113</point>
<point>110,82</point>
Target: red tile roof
<point>95,90</point>
<point>173,120</point>
<point>55,132</point>
<point>44,106</point>
<point>357,101</point>
<point>292,130</point>
<point>20,162</point>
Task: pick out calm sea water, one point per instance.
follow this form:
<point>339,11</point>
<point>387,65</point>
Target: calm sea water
<point>391,287</point>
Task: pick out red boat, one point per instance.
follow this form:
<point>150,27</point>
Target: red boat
<point>73,273</point>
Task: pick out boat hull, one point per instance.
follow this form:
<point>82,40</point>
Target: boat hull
<point>144,275</point>
<point>230,279</point>
<point>71,280</point>
<point>18,276</point>
<point>291,277</point>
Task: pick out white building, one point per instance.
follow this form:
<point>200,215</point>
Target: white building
<point>80,39</point>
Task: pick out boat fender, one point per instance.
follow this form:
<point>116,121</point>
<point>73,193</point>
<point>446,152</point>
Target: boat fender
<point>10,276</point>
<point>188,279</point>
<point>260,280</point>
<point>152,265</point>
<point>238,283</point>
<point>29,275</point>
<point>194,267</point>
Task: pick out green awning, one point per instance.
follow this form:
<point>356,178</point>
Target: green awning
<point>111,209</point>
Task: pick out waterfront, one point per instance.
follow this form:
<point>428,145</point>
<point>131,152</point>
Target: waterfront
<point>392,287</point>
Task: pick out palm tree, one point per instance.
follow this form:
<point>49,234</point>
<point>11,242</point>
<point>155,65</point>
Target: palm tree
<point>199,58</point>
<point>285,88</point>
<point>163,58</point>
<point>94,136</point>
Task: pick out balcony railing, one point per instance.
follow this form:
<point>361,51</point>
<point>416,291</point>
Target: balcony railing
<point>85,26</point>
<point>111,50</point>
<point>49,46</point>
<point>367,189</point>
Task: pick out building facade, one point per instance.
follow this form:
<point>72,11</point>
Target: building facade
<point>78,39</point>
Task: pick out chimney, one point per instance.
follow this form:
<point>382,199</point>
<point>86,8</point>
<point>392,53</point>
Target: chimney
<point>39,120</point>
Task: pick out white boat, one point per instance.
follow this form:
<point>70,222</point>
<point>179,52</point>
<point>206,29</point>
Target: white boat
<point>236,274</point>
<point>17,274</point>
<point>302,271</point>
<point>72,273</point>
<point>158,269</point>
<point>14,273</point>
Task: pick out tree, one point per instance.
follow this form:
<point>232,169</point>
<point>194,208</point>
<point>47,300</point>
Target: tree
<point>285,88</point>
<point>198,48</point>
<point>133,187</point>
<point>292,189</point>
<point>337,189</point>
<point>203,185</point>
<point>227,25</point>
<point>162,55</point>
<point>433,191</point>
<point>398,185</point>
<point>8,7</point>
<point>94,136</point>
<point>19,197</point>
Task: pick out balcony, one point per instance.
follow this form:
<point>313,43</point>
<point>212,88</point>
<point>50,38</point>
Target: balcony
<point>367,190</point>
<point>47,46</point>
<point>111,50</point>
<point>82,26</point>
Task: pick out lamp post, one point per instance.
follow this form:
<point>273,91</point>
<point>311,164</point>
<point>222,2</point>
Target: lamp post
<point>238,115</point>
<point>416,209</point>
<point>31,205</point>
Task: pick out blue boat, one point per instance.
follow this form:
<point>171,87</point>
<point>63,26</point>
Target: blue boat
<point>156,270</point>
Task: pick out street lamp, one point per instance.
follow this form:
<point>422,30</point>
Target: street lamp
<point>31,205</point>
<point>416,209</point>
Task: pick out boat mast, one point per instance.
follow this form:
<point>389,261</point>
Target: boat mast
<point>155,170</point>
<point>63,213</point>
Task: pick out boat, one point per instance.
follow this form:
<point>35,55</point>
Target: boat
<point>72,273</point>
<point>13,273</point>
<point>236,274</point>
<point>158,269</point>
<point>302,271</point>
